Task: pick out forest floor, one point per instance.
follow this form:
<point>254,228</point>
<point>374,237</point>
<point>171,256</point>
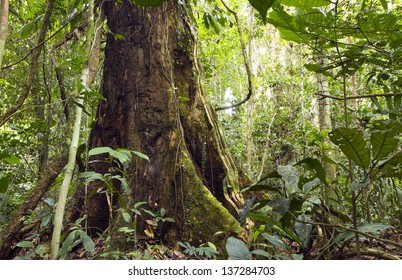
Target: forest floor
<point>370,250</point>
<point>374,249</point>
<point>390,247</point>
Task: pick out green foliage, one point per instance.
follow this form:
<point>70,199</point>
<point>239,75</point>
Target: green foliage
<point>122,155</point>
<point>297,207</point>
<point>384,138</point>
<point>207,250</point>
<point>262,6</point>
<point>237,249</point>
<point>118,160</point>
<point>383,157</point>
<point>373,229</point>
<point>4,182</point>
<point>77,236</point>
<point>303,229</point>
<point>352,144</point>
<point>33,251</point>
<point>305,3</point>
<point>148,3</point>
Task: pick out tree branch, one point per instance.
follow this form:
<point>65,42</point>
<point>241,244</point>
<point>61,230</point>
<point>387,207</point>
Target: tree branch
<point>323,96</point>
<point>246,63</point>
<point>41,43</point>
<point>33,67</point>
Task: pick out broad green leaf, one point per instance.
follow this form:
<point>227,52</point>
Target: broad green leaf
<point>317,69</point>
<point>308,186</point>
<point>245,209</point>
<point>383,139</point>
<point>212,245</point>
<point>291,176</point>
<point>373,228</point>
<point>260,252</point>
<point>68,245</point>
<point>83,88</point>
<point>121,155</point>
<point>126,230</point>
<point>384,5</point>
<point>4,183</point>
<point>126,216</point>
<point>149,212</point>
<point>259,217</point>
<point>280,205</point>
<point>368,228</point>
<point>303,229</point>
<point>170,220</point>
<point>12,159</point>
<point>276,241</point>
<point>271,175</point>
<point>149,3</point>
<point>138,204</point>
<point>297,257</point>
<point>209,20</point>
<point>95,94</point>
<point>91,176</point>
<point>352,144</point>
<point>290,35</point>
<point>122,180</point>
<point>237,249</point>
<point>262,6</point>
<point>87,242</point>
<point>305,3</point>
<point>355,186</point>
<point>391,167</point>
<point>315,166</point>
<point>27,256</point>
<point>46,220</point>
<point>141,155</point>
<point>50,201</point>
<point>100,150</point>
<point>25,244</point>
<point>25,31</point>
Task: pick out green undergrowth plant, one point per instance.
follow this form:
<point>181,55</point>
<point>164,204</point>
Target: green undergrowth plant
<point>77,235</point>
<point>291,213</point>
<point>118,161</point>
<point>204,251</point>
<point>150,219</point>
<point>131,215</point>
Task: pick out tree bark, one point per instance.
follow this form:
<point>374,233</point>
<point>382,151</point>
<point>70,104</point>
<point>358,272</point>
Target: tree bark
<point>3,27</point>
<point>155,104</point>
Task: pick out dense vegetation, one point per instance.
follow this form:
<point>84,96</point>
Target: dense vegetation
<point>308,94</point>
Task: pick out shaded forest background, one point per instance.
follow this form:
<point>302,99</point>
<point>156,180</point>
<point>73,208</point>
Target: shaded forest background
<point>307,94</point>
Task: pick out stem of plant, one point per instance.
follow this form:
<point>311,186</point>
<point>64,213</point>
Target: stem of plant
<point>61,204</point>
<point>354,208</point>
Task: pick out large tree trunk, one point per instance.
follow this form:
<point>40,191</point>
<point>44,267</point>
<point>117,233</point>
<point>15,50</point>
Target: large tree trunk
<point>154,104</point>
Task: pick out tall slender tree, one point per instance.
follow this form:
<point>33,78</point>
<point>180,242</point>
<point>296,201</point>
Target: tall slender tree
<point>3,26</point>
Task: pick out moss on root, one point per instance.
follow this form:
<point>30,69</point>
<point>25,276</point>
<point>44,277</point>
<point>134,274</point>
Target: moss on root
<point>204,214</point>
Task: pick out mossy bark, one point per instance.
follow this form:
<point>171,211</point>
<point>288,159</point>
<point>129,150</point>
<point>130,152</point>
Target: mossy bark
<point>155,104</point>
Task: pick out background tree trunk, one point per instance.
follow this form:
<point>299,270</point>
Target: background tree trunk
<point>154,104</point>
<point>3,27</point>
<point>324,115</point>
